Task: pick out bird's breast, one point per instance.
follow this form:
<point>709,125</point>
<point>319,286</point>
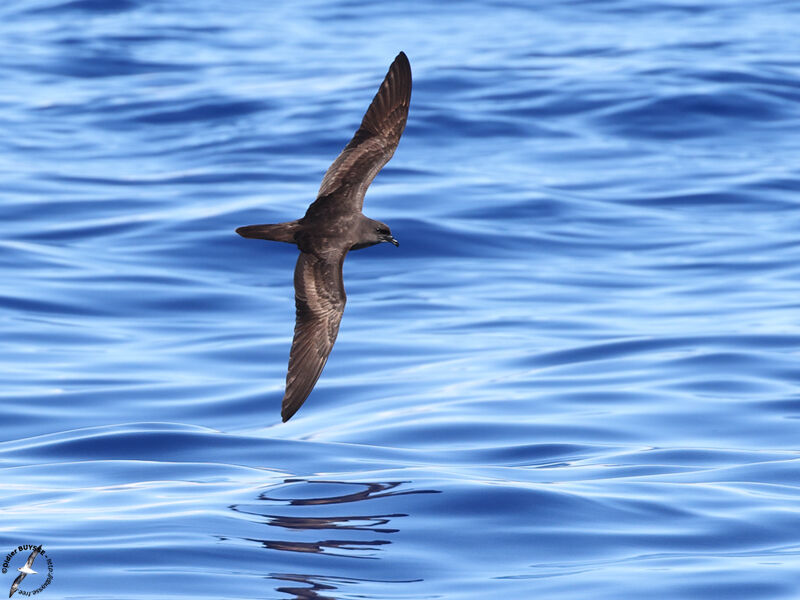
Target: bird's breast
<point>360,245</point>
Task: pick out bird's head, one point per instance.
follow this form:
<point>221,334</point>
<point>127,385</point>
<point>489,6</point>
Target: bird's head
<point>373,232</point>
<point>384,234</point>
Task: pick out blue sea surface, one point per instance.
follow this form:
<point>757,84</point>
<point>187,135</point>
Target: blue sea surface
<point>577,377</point>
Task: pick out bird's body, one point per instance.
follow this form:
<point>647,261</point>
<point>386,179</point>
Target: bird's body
<point>334,225</point>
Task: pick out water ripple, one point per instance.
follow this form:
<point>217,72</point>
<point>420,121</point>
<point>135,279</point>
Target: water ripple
<point>576,377</point>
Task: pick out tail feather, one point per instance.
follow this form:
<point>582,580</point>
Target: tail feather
<point>279,232</point>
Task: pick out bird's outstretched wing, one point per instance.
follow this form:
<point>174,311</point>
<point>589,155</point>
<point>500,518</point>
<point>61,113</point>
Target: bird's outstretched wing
<point>320,300</point>
<point>15,585</point>
<point>33,556</point>
<point>375,141</point>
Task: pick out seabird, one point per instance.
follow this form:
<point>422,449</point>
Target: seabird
<point>25,570</point>
<point>332,226</point>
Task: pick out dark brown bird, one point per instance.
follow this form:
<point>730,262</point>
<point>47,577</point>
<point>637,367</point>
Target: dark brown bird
<point>332,226</point>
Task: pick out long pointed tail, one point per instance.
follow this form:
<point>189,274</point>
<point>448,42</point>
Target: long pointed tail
<point>280,232</point>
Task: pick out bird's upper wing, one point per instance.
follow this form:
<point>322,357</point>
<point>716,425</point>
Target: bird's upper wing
<point>33,556</point>
<point>15,585</point>
<point>375,141</point>
<point>320,300</point>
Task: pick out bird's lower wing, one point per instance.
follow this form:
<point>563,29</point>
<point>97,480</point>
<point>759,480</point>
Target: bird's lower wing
<point>320,300</point>
<point>15,585</point>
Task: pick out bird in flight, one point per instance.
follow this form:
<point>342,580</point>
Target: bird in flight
<point>332,226</point>
<point>25,570</point>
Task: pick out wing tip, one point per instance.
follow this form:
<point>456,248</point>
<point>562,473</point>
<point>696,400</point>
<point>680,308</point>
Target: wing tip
<point>287,411</point>
<point>402,64</point>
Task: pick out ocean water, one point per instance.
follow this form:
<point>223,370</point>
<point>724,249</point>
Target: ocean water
<point>577,377</point>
